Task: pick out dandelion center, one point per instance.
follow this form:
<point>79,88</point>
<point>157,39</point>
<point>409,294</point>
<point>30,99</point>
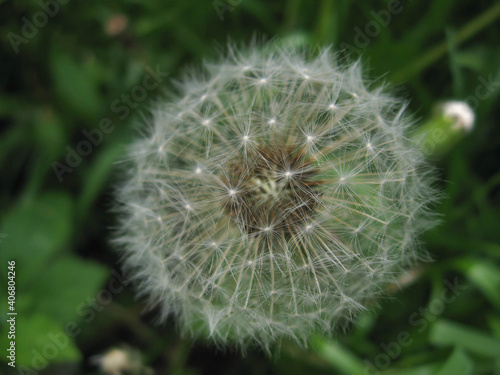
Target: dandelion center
<point>279,188</point>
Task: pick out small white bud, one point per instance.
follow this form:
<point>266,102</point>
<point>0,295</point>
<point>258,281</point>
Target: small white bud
<point>120,361</point>
<point>461,113</point>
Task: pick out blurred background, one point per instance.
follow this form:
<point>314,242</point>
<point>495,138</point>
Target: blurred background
<point>76,81</point>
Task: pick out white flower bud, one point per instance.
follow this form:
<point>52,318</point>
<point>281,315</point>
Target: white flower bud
<point>461,113</point>
<point>119,361</point>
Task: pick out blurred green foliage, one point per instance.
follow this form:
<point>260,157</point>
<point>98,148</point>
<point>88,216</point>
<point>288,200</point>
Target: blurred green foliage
<point>65,73</point>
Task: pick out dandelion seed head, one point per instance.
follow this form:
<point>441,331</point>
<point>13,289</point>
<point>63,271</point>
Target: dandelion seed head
<point>250,233</point>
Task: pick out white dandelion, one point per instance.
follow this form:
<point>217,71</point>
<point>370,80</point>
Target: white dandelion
<point>286,212</point>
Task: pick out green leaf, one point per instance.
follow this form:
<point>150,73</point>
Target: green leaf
<point>97,176</point>
<point>337,356</point>
<point>458,364</point>
<point>11,139</point>
<point>66,286</point>
<point>76,85</point>
<point>485,276</point>
<point>50,134</point>
<point>420,370</point>
<point>35,231</point>
<point>494,323</point>
<point>444,333</point>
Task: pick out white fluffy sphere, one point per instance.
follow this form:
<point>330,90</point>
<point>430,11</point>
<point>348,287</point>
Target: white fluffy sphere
<point>274,196</point>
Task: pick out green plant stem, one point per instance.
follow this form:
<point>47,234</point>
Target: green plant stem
<point>438,51</point>
<point>337,356</point>
<point>324,24</point>
<point>178,357</point>
<point>132,321</point>
<point>291,15</point>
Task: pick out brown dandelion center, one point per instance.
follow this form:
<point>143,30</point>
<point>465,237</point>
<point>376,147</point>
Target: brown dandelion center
<point>276,190</point>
